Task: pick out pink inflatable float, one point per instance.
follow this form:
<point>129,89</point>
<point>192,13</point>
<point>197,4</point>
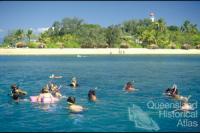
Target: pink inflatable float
<point>43,100</point>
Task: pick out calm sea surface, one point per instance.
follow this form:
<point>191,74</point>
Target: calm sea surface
<point>115,109</point>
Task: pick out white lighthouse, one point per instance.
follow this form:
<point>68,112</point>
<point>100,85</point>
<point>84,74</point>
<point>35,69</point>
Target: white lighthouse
<point>152,16</point>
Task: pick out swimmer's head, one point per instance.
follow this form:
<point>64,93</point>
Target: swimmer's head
<point>45,90</point>
<point>183,103</point>
<point>129,84</point>
<point>185,106</point>
<point>91,92</point>
<point>71,100</point>
<point>168,90</point>
<point>92,95</point>
<point>14,86</point>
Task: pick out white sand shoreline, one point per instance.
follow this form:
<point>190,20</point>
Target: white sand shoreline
<point>94,51</point>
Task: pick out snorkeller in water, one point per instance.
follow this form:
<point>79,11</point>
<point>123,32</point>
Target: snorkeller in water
<point>72,105</point>
<point>92,95</point>
<point>74,82</point>
<point>185,106</point>
<point>129,86</point>
<point>53,76</point>
<point>16,92</point>
<point>55,90</point>
<point>57,93</point>
<point>173,91</point>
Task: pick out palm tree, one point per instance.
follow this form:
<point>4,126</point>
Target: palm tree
<point>194,28</point>
<point>19,34</point>
<point>185,26</point>
<point>189,27</point>
<point>29,33</point>
<point>161,25</point>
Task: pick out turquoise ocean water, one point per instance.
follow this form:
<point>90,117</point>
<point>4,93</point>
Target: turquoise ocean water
<point>115,109</point>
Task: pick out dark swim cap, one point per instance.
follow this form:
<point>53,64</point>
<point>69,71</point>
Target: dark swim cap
<point>14,86</point>
<point>129,83</point>
<point>91,92</point>
<point>71,99</point>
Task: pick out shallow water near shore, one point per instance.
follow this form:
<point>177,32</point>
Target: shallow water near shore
<point>152,74</point>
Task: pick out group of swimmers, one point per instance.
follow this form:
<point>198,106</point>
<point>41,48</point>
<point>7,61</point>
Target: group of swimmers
<point>51,92</point>
<point>73,81</point>
<point>73,107</point>
<point>172,92</point>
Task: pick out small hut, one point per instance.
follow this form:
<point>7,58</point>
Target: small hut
<point>42,45</point>
<point>172,46</point>
<point>124,45</point>
<point>103,45</point>
<point>198,46</point>
<point>185,46</point>
<point>21,45</point>
<point>153,46</point>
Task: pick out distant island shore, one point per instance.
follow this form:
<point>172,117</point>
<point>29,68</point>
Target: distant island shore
<point>94,51</point>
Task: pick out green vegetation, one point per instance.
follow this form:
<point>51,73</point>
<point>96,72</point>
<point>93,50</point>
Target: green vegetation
<point>75,33</point>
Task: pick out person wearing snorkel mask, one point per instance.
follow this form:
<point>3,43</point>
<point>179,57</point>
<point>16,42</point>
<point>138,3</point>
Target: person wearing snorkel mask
<point>16,92</point>
<point>74,82</point>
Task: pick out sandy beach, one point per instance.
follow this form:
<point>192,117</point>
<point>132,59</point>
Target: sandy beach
<point>91,51</point>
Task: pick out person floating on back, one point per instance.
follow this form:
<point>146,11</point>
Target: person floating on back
<point>55,77</point>
<point>92,95</point>
<point>72,106</point>
<point>74,82</point>
<point>16,92</point>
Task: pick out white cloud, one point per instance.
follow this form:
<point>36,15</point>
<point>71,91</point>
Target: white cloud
<point>42,29</point>
<point>39,30</point>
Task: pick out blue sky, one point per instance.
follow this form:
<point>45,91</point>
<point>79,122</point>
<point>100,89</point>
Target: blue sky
<point>39,15</point>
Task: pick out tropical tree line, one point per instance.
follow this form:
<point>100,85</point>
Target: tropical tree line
<point>75,33</point>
